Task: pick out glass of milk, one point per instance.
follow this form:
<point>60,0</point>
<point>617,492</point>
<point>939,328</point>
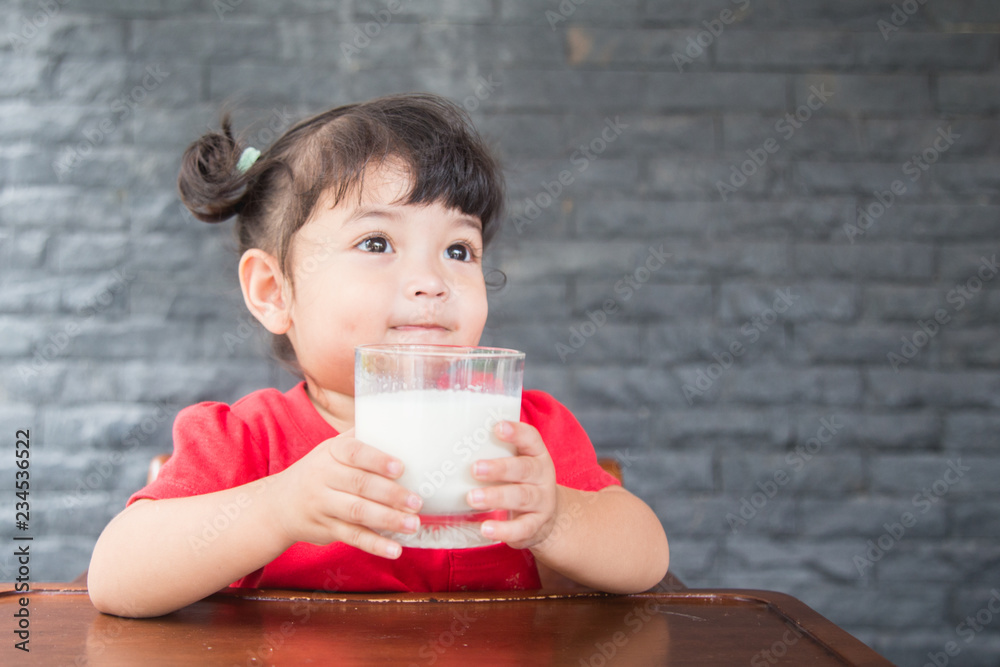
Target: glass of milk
<point>434,407</point>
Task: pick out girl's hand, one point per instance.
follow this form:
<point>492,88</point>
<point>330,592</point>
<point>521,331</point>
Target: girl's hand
<point>343,491</point>
<point>528,488</point>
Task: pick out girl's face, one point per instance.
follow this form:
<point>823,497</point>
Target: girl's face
<point>382,272</point>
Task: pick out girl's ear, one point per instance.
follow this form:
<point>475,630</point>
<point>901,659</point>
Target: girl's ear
<point>265,291</point>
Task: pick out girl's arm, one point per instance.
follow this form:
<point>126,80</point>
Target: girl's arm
<point>608,540</point>
<point>158,556</point>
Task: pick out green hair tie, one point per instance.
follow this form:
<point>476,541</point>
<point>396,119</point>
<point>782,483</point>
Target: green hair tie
<point>247,158</point>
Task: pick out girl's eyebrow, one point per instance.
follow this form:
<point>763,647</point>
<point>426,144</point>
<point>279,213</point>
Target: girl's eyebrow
<point>363,212</point>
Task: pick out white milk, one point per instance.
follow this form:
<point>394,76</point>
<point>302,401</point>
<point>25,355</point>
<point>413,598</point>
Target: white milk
<point>438,435</point>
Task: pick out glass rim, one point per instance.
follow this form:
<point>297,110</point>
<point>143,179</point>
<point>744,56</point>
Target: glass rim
<point>426,349</point>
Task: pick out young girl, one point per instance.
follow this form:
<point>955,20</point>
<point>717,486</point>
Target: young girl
<point>364,224</point>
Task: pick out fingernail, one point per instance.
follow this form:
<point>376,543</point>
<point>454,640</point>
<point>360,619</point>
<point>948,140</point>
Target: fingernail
<point>477,496</point>
<point>504,429</point>
<point>393,551</point>
<point>394,467</point>
<point>480,468</point>
<point>488,529</point>
<point>414,501</point>
<point>411,523</point>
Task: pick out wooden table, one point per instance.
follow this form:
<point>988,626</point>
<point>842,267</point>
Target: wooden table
<point>251,627</point>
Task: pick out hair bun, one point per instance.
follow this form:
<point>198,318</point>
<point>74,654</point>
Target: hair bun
<point>210,185</point>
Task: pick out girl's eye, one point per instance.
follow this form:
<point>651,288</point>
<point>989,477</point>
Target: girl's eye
<point>460,252</point>
<point>375,244</point>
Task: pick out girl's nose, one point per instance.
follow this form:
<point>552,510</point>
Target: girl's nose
<point>426,280</point>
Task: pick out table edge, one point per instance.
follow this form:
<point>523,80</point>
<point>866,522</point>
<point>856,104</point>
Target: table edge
<point>797,614</point>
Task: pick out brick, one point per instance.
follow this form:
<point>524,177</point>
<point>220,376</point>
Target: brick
<point>899,303</point>
<point>725,424</point>
<point>905,261</point>
<point>898,94</point>
<point>98,426</point>
<point>619,12</point>
<point>826,343</point>
<point>613,430</point>
<point>977,348</point>
<point>559,90</point>
<point>87,381</point>
<point>934,477</point>
<point>895,606</point>
<point>967,13</point>
<point>777,516</point>
<point>16,415</point>
<point>973,519</point>
<point>956,560</point>
<point>266,84</point>
<point>861,15</point>
<point>826,474</point>
<point>918,387</point>
<point>96,81</point>
<point>740,303</point>
<point>697,558</point>
<point>830,558</point>
<point>795,50</point>
<point>160,381</point>
<point>140,7</point>
<point>656,134</point>
<point>727,259</point>
<point>968,93</point>
<point>649,301</point>
<point>687,178</point>
<point>605,46</point>
<point>196,38</point>
<point>47,124</point>
<point>687,515</point>
<point>868,515</point>
<point>966,430</point>
<point>967,263</point>
<point>626,388</point>
<point>657,474</point>
<point>55,558</point>
<point>455,10</point>
<point>907,430</point>
<point>88,252</point>
<point>18,336</point>
<point>56,33</point>
<point>965,178</point>
<point>726,91</point>
<point>864,179</point>
<point>906,138</point>
<point>781,385</point>
<point>906,50</point>
<point>30,294</point>
<point>530,260</point>
<point>491,45</point>
<point>683,342</point>
<point>819,134</point>
<point>23,75</point>
<point>56,207</point>
<point>954,222</point>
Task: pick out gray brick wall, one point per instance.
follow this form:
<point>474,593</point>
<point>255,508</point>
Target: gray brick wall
<point>780,443</point>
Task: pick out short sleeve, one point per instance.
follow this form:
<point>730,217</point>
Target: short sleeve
<point>568,444</point>
<point>213,450</point>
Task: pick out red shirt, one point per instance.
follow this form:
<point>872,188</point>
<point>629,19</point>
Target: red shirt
<point>217,446</point>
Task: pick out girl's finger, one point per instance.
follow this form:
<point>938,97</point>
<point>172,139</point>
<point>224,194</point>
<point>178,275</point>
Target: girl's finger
<point>356,454</point>
<point>367,515</point>
<point>524,437</point>
<point>516,497</point>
